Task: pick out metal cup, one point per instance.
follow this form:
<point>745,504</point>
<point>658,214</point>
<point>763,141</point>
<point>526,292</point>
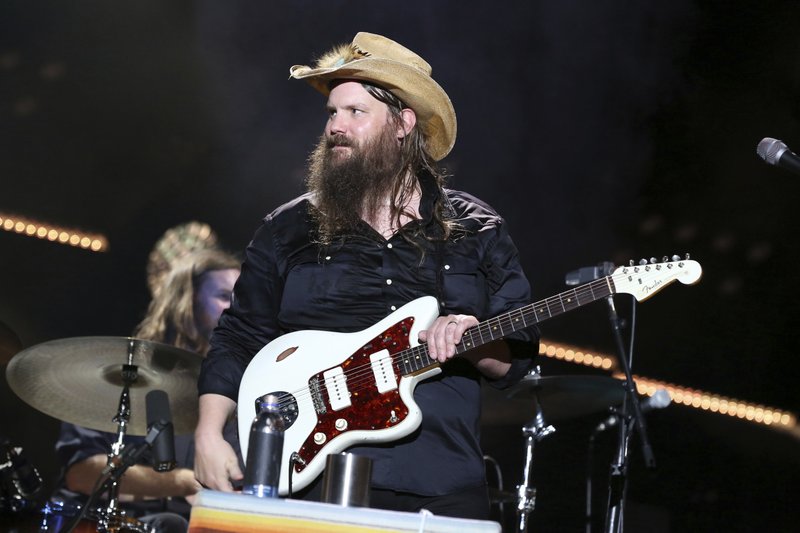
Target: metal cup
<point>346,480</point>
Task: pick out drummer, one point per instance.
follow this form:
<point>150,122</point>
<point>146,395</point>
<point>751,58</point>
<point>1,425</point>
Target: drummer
<point>183,313</point>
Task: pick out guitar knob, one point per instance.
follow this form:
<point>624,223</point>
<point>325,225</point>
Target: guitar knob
<point>341,424</point>
<point>319,438</point>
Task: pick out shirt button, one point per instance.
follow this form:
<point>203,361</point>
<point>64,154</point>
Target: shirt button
<point>327,258</point>
<point>447,267</point>
<point>388,282</point>
<point>389,245</point>
<point>393,308</point>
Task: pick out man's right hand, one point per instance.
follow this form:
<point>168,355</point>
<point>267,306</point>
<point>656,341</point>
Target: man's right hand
<point>215,462</point>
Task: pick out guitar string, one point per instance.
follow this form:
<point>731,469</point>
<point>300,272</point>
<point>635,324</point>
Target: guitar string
<point>364,374</point>
<point>362,377</point>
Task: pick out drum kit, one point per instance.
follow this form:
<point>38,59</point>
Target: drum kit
<point>79,380</point>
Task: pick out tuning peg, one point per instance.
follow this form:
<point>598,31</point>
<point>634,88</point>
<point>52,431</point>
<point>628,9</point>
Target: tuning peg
<point>630,262</point>
<point>676,257</point>
<point>642,261</point>
<point>687,257</point>
<point>664,259</point>
<point>653,260</point>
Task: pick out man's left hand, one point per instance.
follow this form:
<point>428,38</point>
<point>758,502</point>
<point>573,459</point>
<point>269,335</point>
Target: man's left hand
<point>444,334</point>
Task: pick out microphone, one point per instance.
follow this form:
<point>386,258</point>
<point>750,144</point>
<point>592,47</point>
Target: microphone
<point>587,274</point>
<point>659,400</point>
<point>775,152</point>
<point>158,413</point>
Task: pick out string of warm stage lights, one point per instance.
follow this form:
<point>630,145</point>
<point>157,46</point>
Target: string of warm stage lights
<point>59,235</point>
<point>689,397</point>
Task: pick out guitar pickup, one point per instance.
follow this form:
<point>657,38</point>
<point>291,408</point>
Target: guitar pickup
<point>336,387</point>
<point>382,369</point>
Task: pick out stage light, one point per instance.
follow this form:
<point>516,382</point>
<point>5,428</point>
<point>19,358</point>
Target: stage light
<point>693,398</point>
<point>52,233</point>
<point>575,355</point>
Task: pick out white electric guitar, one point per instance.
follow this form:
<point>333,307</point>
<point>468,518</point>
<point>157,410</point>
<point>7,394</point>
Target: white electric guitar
<point>338,390</point>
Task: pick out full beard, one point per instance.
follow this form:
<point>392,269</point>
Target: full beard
<point>350,187</point>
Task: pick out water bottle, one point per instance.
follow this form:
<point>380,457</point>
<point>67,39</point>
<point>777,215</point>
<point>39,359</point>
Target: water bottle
<point>265,448</point>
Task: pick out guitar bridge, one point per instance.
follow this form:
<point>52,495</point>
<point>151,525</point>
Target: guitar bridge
<point>316,396</point>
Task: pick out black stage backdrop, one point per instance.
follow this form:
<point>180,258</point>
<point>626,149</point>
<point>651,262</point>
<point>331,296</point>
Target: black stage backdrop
<point>603,131</point>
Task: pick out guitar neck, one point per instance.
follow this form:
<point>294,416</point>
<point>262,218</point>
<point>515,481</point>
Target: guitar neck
<point>417,359</point>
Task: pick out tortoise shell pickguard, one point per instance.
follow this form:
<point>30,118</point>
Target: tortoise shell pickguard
<point>369,409</point>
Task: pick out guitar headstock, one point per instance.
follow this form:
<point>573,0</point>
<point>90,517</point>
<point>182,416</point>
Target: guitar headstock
<point>645,279</point>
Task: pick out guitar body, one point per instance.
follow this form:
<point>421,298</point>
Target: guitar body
<point>338,390</point>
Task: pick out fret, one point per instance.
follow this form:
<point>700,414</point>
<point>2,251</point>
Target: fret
<point>571,300</point>
<point>478,328</point>
<point>424,358</point>
<point>491,330</point>
<point>552,308</point>
<point>542,309</point>
<point>467,340</point>
<point>515,325</point>
<point>522,316</point>
<point>561,302</point>
<point>500,326</point>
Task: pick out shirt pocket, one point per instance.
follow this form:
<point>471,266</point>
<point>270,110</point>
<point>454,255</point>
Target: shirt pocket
<point>463,284</point>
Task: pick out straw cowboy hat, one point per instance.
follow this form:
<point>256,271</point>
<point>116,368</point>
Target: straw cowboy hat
<point>376,59</point>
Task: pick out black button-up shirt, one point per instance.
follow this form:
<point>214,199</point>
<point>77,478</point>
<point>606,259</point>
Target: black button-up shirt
<point>290,283</point>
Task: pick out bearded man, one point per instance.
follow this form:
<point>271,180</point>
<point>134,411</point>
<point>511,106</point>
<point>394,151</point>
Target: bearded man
<point>376,230</point>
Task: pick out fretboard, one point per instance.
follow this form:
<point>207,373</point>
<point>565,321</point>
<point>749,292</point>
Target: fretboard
<point>416,359</point>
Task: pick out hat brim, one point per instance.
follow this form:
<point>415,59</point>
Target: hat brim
<point>434,110</point>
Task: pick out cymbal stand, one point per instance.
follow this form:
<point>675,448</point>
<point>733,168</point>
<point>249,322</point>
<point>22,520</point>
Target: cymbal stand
<point>534,431</point>
<point>619,468</point>
<point>110,519</point>
<point>130,374</point>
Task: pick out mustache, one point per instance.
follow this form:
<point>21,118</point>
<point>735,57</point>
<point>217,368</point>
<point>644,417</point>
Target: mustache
<point>338,140</point>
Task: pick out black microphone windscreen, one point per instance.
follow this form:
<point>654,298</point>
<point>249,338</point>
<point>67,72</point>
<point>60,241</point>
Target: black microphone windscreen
<point>157,406</point>
<point>158,411</point>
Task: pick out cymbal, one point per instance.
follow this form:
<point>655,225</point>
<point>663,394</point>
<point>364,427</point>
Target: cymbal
<point>79,380</point>
<point>558,397</point>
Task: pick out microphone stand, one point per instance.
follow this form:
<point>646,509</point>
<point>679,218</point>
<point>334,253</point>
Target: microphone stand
<point>619,468</point>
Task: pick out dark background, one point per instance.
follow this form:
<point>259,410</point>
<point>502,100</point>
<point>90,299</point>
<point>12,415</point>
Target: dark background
<point>602,131</point>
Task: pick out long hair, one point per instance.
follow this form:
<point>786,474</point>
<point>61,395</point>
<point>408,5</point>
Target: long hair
<point>171,316</point>
<point>416,160</point>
